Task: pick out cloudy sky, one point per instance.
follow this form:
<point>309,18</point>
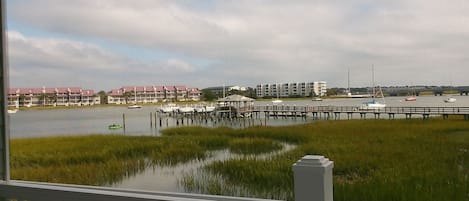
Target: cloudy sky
<point>105,44</point>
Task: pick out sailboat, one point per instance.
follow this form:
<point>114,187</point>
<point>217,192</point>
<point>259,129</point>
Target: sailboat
<point>277,101</point>
<point>373,104</point>
<point>349,91</point>
<point>134,106</point>
<point>412,97</point>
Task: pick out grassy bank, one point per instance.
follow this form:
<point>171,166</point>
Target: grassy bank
<point>374,159</point>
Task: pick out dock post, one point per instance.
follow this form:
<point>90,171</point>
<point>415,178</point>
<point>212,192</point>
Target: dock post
<point>123,122</point>
<point>377,115</point>
<point>151,120</point>
<point>155,119</point>
<point>313,178</point>
<point>362,115</point>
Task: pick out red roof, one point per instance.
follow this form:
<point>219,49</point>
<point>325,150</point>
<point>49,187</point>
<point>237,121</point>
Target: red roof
<point>75,89</point>
<point>159,88</point>
<point>115,92</point>
<point>13,91</point>
<point>180,87</point>
<point>62,90</point>
<point>36,90</point>
<point>149,88</point>
<point>133,88</point>
<point>193,91</point>
<point>88,92</point>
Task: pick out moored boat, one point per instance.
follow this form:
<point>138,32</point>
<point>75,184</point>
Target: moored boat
<point>373,104</point>
<point>186,109</point>
<point>12,111</point>
<point>114,126</point>
<point>277,101</point>
<point>449,100</point>
<point>411,98</point>
<point>134,107</point>
<point>168,108</point>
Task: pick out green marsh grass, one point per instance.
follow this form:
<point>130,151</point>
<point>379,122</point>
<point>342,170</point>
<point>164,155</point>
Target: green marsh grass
<point>375,160</point>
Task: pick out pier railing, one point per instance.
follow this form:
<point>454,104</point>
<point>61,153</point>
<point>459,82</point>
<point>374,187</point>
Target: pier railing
<point>355,109</point>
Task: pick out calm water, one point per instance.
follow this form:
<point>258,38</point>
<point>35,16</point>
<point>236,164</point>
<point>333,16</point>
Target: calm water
<point>38,123</point>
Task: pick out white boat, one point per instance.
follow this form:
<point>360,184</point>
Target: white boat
<point>450,100</point>
<point>186,109</point>
<point>134,107</point>
<point>277,101</point>
<point>373,104</point>
<point>317,99</point>
<point>168,108</point>
<point>411,98</point>
<point>12,111</point>
<point>209,108</point>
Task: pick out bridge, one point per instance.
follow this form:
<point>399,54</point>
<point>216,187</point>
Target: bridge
<point>402,91</point>
<point>462,90</point>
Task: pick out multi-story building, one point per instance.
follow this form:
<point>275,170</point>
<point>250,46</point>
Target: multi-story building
<point>221,91</point>
<point>152,94</point>
<point>60,96</point>
<point>292,89</point>
<point>320,88</point>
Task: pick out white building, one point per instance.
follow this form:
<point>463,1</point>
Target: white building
<point>320,88</point>
<point>60,96</point>
<point>304,89</point>
<point>152,94</point>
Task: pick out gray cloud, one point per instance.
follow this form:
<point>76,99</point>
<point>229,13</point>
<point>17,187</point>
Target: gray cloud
<point>250,42</point>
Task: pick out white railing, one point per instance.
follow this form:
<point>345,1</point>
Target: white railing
<point>312,175</point>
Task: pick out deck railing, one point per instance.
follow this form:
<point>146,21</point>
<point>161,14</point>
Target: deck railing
<point>355,109</point>
<point>312,179</point>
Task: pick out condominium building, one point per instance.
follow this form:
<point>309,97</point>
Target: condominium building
<point>222,91</point>
<point>59,96</point>
<point>292,89</point>
<point>152,94</point>
<point>320,88</point>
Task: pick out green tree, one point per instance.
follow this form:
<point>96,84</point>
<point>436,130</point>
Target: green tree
<point>208,95</point>
<point>127,95</point>
<point>103,97</point>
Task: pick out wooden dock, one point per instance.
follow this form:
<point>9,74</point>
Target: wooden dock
<point>335,112</point>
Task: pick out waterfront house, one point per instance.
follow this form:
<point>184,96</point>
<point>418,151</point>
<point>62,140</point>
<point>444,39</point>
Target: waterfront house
<point>46,96</point>
<point>152,94</point>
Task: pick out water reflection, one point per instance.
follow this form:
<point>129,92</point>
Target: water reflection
<point>167,178</point>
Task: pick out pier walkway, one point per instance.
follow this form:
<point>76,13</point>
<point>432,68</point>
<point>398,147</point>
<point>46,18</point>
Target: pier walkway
<point>328,112</point>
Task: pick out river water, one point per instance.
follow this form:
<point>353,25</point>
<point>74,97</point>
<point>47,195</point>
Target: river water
<point>82,121</point>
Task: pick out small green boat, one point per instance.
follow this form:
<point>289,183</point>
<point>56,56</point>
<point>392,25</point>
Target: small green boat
<point>114,126</point>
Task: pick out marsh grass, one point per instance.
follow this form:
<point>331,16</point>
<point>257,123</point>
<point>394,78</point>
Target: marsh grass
<point>375,160</point>
<point>253,146</point>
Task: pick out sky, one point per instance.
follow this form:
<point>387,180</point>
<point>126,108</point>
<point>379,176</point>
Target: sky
<point>106,44</point>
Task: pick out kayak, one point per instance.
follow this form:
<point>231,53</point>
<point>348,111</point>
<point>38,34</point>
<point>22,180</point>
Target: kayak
<point>114,126</point>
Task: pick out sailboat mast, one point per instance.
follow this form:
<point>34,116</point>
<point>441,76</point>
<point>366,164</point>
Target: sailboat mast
<point>373,79</point>
<point>348,81</point>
